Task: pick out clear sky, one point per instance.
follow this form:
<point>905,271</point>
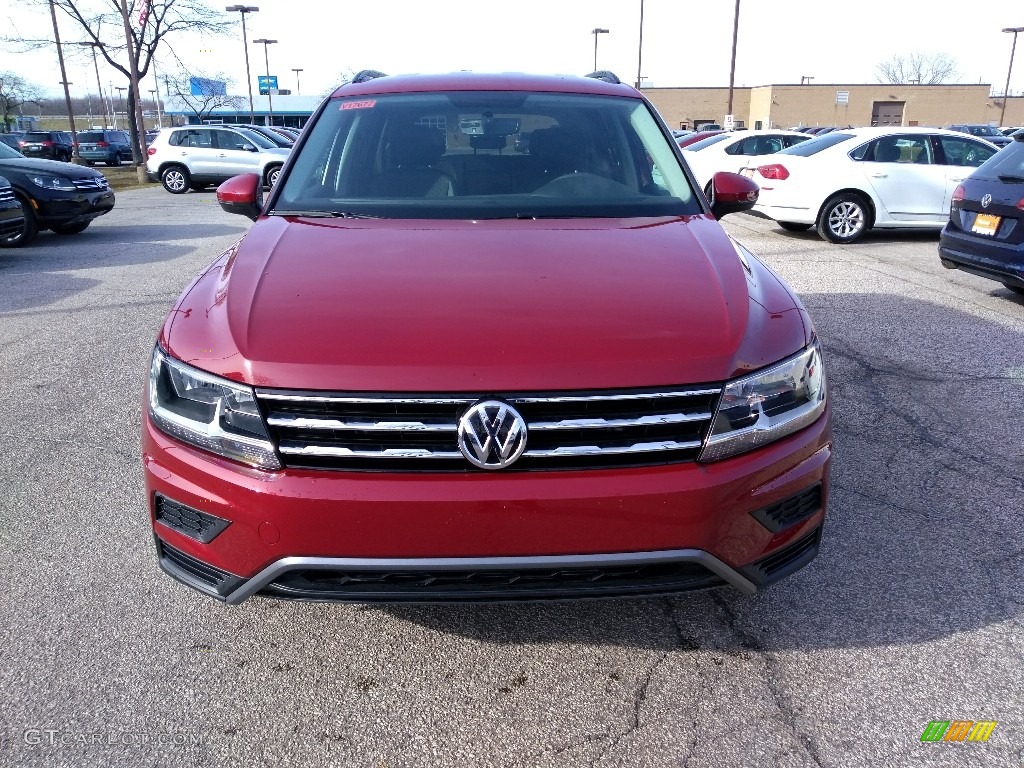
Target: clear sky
<point>686,42</point>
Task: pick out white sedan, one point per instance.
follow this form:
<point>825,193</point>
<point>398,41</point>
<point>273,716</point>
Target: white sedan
<point>848,181</point>
<point>734,151</point>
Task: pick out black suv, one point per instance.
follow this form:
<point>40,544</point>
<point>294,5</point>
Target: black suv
<point>50,145</point>
<point>110,147</point>
<point>985,233</point>
<point>63,197</point>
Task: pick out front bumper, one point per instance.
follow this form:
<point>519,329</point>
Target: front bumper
<point>11,219</point>
<point>986,258</point>
<point>73,208</point>
<point>366,537</point>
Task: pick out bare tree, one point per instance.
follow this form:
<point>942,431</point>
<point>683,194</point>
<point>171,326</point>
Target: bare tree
<point>207,96</point>
<point>918,68</point>
<point>102,22</point>
<point>15,92</point>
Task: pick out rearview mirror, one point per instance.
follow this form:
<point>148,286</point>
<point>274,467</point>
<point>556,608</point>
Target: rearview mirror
<point>490,126</point>
<point>242,194</point>
<point>732,193</point>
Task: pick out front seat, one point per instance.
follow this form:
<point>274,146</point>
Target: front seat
<point>887,153</point>
<point>408,170</point>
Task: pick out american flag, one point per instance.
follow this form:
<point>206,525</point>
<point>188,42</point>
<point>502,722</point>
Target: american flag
<point>142,11</point>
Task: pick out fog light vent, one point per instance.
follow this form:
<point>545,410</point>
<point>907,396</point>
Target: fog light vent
<point>785,513</point>
<point>191,522</point>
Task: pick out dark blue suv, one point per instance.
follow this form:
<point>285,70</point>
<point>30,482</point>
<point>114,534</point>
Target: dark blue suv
<point>110,147</point>
<point>985,233</point>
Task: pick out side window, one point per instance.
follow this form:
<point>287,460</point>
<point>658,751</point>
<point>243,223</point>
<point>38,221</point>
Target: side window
<point>768,145</point>
<point>901,149</point>
<point>176,139</point>
<point>232,140</point>
<point>736,148</point>
<point>200,139</point>
<point>789,141</point>
<point>964,151</point>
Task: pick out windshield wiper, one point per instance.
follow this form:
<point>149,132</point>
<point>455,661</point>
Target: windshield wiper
<point>325,214</point>
<point>1010,178</point>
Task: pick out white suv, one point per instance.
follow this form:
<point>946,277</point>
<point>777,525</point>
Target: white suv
<point>195,156</point>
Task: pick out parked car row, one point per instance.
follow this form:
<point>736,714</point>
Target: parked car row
<point>196,156</point>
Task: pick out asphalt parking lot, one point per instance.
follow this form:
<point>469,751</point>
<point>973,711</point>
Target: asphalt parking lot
<point>911,613</point>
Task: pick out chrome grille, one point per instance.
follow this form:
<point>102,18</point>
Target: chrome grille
<point>6,195</point>
<point>91,185</point>
<point>408,433</point>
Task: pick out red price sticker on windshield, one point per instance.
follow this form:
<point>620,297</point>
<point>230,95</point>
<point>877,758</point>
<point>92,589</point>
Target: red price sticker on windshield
<point>358,104</point>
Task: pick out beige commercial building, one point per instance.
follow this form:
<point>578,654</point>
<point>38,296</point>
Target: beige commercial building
<point>785,106</point>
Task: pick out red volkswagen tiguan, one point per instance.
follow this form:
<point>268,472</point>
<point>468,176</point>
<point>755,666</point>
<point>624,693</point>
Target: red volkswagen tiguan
<point>486,340</point>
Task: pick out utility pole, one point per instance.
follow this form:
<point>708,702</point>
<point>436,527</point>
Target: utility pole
<point>99,85</point>
<point>640,48</point>
<point>1009,71</point>
<point>732,64</point>
<point>296,71</point>
<point>75,157</point>
<point>156,82</point>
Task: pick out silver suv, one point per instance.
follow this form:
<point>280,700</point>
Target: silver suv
<point>195,156</point>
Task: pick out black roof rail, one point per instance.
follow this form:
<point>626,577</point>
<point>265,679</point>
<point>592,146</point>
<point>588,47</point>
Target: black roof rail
<point>366,75</point>
<point>606,76</point>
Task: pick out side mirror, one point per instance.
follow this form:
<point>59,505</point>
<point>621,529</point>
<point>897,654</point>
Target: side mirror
<point>732,193</point>
<point>249,148</point>
<point>242,194</point>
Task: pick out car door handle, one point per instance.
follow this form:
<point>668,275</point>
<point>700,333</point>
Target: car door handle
<point>222,155</point>
<point>957,178</point>
<point>879,175</point>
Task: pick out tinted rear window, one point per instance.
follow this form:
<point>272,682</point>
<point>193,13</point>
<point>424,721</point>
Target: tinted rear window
<point>90,136</point>
<point>36,136</point>
<point>1008,161</point>
<point>818,143</point>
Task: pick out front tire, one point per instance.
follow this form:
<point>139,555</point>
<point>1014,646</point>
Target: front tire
<point>844,218</point>
<point>29,230</point>
<point>792,226</point>
<point>272,174</point>
<point>176,179</point>
<point>70,229</point>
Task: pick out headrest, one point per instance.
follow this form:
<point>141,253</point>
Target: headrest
<point>416,145</point>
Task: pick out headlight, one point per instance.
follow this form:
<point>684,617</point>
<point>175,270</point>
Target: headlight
<point>52,182</point>
<point>767,405</point>
<point>208,412</point>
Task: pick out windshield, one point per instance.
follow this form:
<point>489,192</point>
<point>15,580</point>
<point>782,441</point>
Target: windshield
<point>697,146</point>
<point>6,153</point>
<point>817,144</point>
<point>982,130</point>
<point>485,155</point>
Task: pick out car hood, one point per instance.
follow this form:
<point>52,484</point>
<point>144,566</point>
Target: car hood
<point>32,165</point>
<point>488,306</point>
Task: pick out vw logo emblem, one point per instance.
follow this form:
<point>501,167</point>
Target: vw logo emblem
<point>985,200</point>
<point>492,434</point>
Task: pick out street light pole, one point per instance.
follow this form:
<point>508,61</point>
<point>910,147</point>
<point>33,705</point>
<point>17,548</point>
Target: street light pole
<point>595,32</point>
<point>732,64</point>
<point>266,58</point>
<point>1009,71</point>
<point>296,71</point>
<point>64,81</point>
<point>244,9</point>
<point>640,48</point>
